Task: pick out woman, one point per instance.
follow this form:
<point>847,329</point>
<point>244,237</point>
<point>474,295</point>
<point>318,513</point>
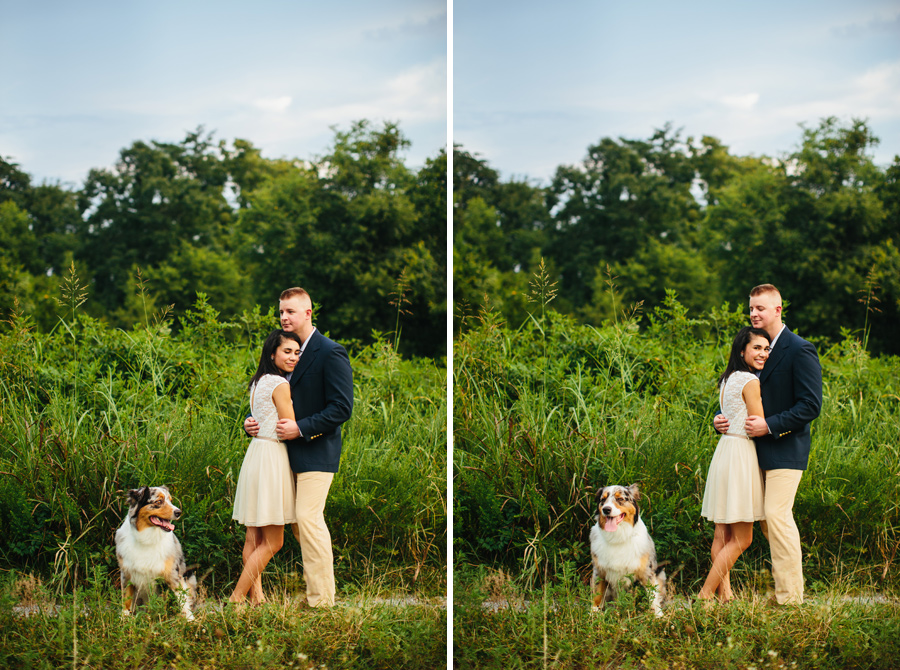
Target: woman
<point>264,497</point>
<point>733,498</point>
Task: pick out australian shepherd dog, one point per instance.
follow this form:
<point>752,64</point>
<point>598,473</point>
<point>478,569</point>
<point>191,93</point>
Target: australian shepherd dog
<point>148,550</point>
<point>622,550</point>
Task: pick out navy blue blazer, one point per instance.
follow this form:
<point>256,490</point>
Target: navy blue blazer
<point>791,388</point>
<point>322,395</point>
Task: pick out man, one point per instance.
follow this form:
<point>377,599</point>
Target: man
<point>322,396</point>
<point>791,386</point>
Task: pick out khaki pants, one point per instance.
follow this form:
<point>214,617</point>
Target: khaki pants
<point>314,538</point>
<point>781,532</point>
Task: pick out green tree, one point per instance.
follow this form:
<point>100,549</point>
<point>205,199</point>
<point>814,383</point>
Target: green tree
<point>815,225</point>
<point>625,195</point>
<point>347,228</point>
<point>37,225</point>
<point>499,231</point>
<point>158,197</point>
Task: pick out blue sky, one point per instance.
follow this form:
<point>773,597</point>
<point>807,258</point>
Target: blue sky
<point>536,83</point>
<point>82,81</point>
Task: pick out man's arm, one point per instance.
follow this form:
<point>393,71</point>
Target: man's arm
<point>720,423</point>
<point>807,394</point>
<point>338,386</point>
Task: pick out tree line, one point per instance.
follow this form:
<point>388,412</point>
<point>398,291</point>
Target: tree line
<point>356,227</point>
<point>640,217</point>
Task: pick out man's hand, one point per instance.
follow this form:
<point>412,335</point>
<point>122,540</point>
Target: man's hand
<point>720,423</point>
<point>287,429</point>
<point>251,427</point>
<point>756,426</point>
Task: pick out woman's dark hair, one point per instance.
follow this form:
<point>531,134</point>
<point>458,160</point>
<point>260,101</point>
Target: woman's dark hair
<point>736,359</point>
<point>266,364</point>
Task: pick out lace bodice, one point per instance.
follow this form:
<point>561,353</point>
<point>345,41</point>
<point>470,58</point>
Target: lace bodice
<point>262,407</point>
<point>733,406</point>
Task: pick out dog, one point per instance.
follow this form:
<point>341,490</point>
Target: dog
<point>622,550</point>
<point>148,550</point>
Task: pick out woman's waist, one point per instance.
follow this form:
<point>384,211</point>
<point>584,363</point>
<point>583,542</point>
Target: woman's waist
<point>268,438</point>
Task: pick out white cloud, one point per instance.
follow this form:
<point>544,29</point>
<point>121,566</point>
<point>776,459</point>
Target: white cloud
<point>747,101</point>
<point>277,105</point>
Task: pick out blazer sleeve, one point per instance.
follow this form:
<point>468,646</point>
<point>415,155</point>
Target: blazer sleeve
<point>807,400</point>
<point>338,388</point>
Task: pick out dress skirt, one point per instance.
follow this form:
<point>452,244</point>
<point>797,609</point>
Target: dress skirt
<point>265,489</point>
<point>734,485</point>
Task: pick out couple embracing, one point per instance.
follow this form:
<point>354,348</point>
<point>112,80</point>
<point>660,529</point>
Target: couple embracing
<point>300,395</point>
<point>769,393</point>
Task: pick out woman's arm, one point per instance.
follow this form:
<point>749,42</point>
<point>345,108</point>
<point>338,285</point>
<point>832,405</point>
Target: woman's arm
<point>752,398</point>
<point>281,396</point>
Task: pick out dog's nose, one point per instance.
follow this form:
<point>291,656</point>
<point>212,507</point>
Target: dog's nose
<point>607,510</point>
<point>177,513</point>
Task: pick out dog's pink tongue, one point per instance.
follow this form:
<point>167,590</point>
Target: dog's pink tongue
<point>162,523</point>
<point>612,523</point>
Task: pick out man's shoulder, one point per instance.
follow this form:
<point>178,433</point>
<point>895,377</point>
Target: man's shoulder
<point>794,339</point>
<point>326,342</point>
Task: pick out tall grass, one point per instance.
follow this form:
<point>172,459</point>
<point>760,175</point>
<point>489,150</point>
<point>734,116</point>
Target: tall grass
<point>548,412</point>
<point>88,412</point>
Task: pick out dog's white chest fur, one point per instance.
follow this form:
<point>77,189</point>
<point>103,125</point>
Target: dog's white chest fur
<point>622,552</point>
<point>146,552</point>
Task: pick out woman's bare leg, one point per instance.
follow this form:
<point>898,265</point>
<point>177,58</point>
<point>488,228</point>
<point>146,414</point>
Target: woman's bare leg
<point>258,551</point>
<point>722,536</point>
<point>253,539</point>
<point>741,537</point>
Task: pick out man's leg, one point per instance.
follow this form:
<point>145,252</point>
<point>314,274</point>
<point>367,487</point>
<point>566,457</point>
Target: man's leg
<point>784,538</point>
<point>314,538</point>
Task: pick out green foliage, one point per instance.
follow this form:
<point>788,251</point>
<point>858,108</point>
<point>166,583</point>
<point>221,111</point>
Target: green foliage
<point>347,228</point>
<point>546,414</point>
<point>88,412</point>
<point>822,223</point>
<point>498,231</point>
<point>198,216</point>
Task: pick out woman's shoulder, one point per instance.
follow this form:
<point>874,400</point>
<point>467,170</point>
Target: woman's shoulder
<point>272,380</point>
<point>743,377</point>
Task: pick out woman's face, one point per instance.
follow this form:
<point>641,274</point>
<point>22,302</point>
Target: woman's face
<point>756,352</point>
<point>286,355</point>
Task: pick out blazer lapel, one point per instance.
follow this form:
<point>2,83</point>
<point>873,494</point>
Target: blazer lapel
<point>781,347</point>
<point>307,357</point>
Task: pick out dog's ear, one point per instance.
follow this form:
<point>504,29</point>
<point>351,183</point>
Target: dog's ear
<point>599,493</point>
<point>635,492</point>
<point>139,496</point>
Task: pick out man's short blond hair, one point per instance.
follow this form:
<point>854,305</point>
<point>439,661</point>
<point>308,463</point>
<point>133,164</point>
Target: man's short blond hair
<point>765,288</point>
<point>295,292</point>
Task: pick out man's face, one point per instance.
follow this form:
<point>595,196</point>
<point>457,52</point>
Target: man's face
<point>295,312</point>
<point>765,311</point>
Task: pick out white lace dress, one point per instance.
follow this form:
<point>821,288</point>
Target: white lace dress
<point>264,495</point>
<point>734,484</point>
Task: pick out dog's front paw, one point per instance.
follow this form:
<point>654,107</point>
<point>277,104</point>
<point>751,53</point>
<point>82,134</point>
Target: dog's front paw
<point>595,608</point>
